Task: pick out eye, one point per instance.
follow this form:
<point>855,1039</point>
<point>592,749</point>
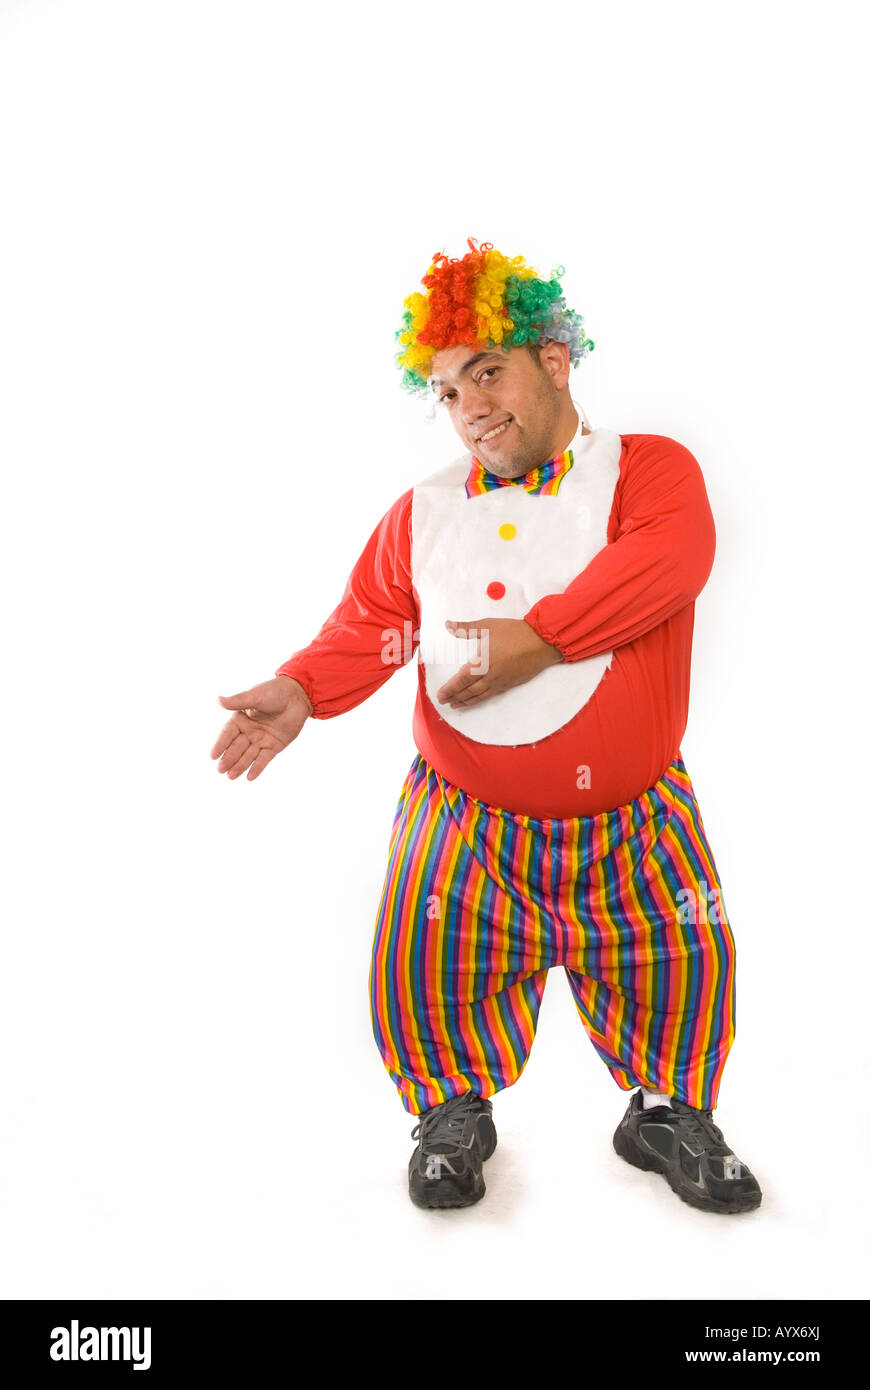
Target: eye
<point>448,395</point>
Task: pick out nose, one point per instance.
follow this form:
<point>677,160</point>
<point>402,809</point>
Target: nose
<point>475,405</point>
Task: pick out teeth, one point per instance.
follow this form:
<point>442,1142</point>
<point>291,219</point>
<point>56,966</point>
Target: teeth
<point>497,430</point>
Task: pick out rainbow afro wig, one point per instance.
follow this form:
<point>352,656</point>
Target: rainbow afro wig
<point>483,297</point>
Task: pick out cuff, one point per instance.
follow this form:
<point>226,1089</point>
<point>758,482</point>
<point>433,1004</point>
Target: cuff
<point>536,624</point>
<point>306,686</point>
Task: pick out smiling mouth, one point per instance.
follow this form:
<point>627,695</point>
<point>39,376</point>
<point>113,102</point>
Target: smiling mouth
<point>494,433</point>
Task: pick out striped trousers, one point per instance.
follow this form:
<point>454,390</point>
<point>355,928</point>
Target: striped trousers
<point>478,903</point>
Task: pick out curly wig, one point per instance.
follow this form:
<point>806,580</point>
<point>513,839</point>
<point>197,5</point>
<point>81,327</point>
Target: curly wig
<point>483,297</point>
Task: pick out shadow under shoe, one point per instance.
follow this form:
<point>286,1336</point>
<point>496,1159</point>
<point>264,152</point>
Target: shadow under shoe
<point>455,1139</point>
<point>690,1151</point>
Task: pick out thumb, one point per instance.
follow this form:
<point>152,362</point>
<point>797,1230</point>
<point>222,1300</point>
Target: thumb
<point>461,629</point>
<point>246,700</point>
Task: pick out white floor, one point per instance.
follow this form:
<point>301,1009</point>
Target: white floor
<point>233,1170</point>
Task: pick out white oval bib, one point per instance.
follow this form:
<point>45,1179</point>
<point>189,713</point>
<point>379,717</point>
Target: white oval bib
<point>532,544</point>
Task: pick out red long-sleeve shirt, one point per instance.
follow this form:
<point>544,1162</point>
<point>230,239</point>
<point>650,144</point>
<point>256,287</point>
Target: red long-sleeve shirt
<point>634,598</point>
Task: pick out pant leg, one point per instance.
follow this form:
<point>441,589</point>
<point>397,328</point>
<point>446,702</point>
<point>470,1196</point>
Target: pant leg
<point>455,987</point>
<point>658,999</point>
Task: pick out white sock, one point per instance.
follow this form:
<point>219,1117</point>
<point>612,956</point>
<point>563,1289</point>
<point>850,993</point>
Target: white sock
<point>652,1098</point>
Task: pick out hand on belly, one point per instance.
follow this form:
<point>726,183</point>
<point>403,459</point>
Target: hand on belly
<point>508,653</point>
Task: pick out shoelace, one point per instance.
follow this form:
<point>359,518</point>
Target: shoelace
<point>700,1125</point>
<point>444,1124</point>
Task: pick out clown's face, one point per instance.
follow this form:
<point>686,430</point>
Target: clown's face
<point>509,411</point>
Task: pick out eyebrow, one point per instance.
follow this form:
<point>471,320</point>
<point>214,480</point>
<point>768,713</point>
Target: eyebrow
<point>472,362</point>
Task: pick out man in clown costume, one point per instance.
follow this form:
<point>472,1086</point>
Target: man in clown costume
<point>546,581</point>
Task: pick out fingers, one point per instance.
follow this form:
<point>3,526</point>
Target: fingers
<point>471,695</point>
<point>245,751</point>
<point>456,684</point>
<point>463,688</point>
<point>470,672</point>
<point>225,738</point>
<point>264,757</point>
<point>237,755</point>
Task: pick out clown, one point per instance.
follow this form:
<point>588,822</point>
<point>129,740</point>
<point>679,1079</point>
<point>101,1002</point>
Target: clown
<point>545,580</point>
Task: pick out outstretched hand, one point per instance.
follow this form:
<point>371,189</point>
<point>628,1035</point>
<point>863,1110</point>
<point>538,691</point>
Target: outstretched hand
<point>267,717</point>
<point>509,652</point>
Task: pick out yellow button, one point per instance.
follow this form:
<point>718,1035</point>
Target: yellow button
<point>507,531</point>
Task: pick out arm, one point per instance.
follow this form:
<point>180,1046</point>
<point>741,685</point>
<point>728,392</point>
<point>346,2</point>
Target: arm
<point>373,630</point>
<point>658,561</point>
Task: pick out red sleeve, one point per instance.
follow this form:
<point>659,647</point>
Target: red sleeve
<point>657,562</point>
<point>373,630</point>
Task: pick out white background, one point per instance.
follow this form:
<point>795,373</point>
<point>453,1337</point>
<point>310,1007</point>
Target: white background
<point>211,216</point>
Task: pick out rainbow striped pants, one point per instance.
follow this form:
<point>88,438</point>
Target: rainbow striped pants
<point>478,904</point>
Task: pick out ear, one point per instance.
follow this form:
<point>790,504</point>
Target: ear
<point>556,361</point>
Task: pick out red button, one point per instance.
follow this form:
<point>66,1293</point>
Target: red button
<point>495,589</point>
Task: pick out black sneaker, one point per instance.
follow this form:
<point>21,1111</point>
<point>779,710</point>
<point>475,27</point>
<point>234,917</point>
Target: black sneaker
<point>456,1137</point>
<point>688,1150</point>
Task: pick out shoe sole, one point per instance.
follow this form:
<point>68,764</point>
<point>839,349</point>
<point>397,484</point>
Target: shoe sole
<point>440,1196</point>
<point>443,1195</point>
<point>627,1148</point>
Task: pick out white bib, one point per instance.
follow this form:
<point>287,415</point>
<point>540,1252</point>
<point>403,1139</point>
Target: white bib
<point>545,541</point>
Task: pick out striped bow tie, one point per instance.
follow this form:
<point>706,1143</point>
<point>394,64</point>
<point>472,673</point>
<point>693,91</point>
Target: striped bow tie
<point>544,479</point>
